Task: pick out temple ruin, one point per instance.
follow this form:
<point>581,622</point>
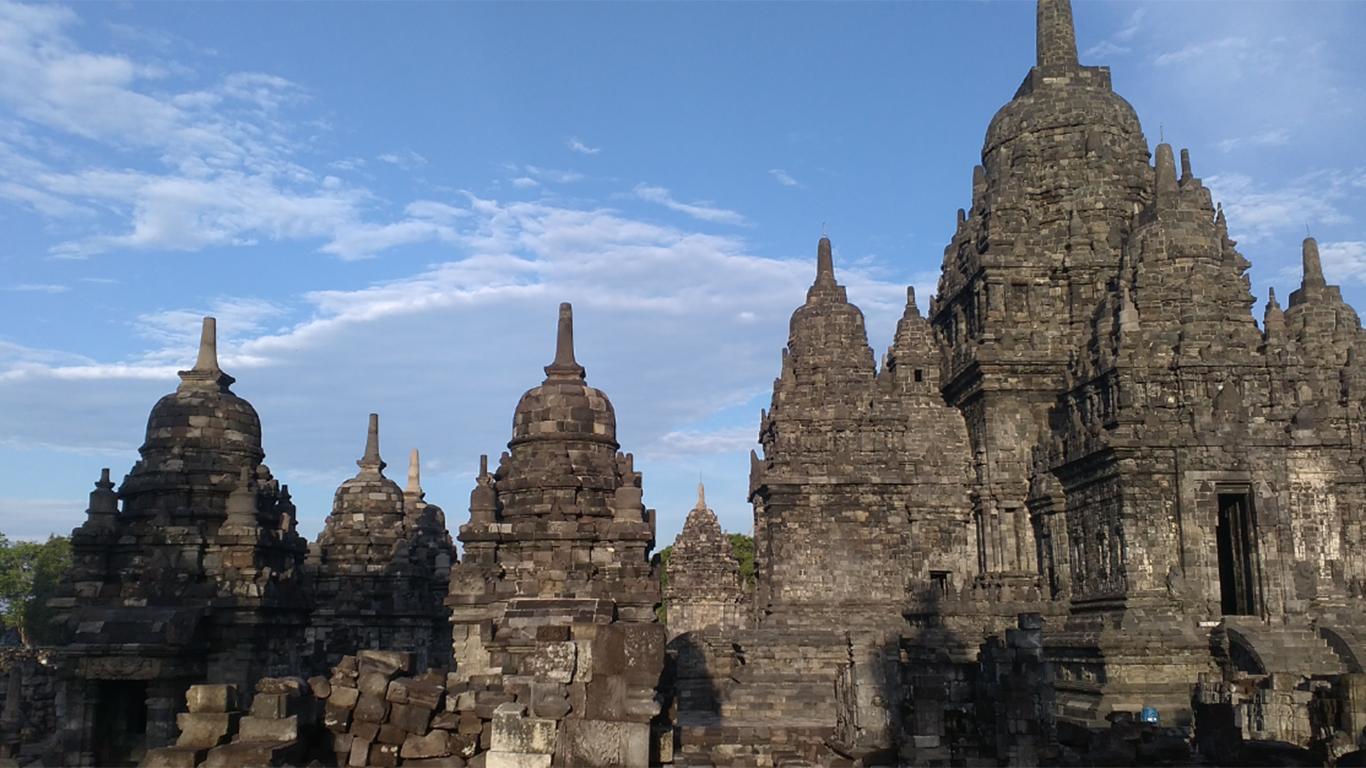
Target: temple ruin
<point>1086,509</point>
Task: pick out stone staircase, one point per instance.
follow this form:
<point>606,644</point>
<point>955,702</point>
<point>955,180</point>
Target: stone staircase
<point>1276,648</point>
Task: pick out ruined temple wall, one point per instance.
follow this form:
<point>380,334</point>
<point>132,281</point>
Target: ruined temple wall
<point>836,544</point>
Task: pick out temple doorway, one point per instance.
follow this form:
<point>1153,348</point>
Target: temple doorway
<point>1237,581</point>
<point>120,722</point>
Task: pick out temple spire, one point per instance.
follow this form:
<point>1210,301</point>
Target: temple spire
<point>208,347</point>
<point>371,460</point>
<point>911,308</point>
<point>701,496</point>
<point>1313,265</point>
<point>414,474</point>
<point>1057,35</point>
<point>1166,169</point>
<point>206,374</point>
<point>825,263</point>
<point>565,366</point>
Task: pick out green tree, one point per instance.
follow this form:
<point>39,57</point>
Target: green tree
<point>29,574</point>
<point>742,549</point>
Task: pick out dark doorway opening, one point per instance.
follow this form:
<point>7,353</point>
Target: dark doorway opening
<point>120,722</point>
<point>1237,556</point>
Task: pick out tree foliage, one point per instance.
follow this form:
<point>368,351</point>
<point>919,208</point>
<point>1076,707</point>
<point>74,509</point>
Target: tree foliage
<point>29,574</point>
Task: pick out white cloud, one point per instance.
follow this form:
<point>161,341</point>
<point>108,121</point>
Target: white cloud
<point>687,442</point>
<point>1234,45</point>
<point>1276,137</point>
<point>783,177</point>
<point>525,182</point>
<point>699,210</point>
<point>1117,44</point>
<point>40,288</point>
<point>1256,212</point>
<point>583,149</point>
<point>1344,262</point>
<point>199,167</point>
<point>407,159</point>
<point>444,352</point>
<point>553,175</point>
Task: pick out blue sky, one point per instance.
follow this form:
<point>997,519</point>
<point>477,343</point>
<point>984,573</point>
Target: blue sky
<point>384,204</point>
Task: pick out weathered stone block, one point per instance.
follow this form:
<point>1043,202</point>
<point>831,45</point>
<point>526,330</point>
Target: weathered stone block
<point>205,729</point>
<point>269,729</point>
<point>411,717</point>
<point>391,734</point>
<point>371,709</point>
<point>172,757</point>
<point>514,732</point>
<point>211,698</point>
<point>343,698</point>
<point>603,743</point>
<point>360,753</point>
<point>552,662</point>
<point>374,684</point>
<point>388,663</point>
<point>320,686</point>
<point>383,755</point>
<point>498,759</point>
<point>433,744</point>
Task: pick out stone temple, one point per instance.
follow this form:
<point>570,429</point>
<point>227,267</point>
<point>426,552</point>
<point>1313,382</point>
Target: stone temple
<point>1087,509</point>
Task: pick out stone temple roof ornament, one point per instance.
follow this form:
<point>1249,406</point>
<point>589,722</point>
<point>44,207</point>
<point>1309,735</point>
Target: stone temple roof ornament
<point>206,373</point>
<point>565,366</point>
<point>1057,34</point>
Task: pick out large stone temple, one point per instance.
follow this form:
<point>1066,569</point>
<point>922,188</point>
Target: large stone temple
<point>1087,509</point>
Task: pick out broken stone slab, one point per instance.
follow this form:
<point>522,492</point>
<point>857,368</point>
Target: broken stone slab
<point>275,705</point>
<point>360,753</point>
<point>514,732</point>
<point>320,686</point>
<point>450,761</point>
<point>252,754</point>
<point>269,729</point>
<point>374,684</point>
<point>383,755</point>
<point>410,717</point>
<point>371,709</point>
<point>173,757</point>
<point>336,719</point>
<point>201,730</point>
<point>433,744</point>
<point>211,698</point>
<point>389,663</point>
<point>551,662</point>
<point>496,759</point>
<point>408,690</point>
<point>343,698</point>
<point>601,742</point>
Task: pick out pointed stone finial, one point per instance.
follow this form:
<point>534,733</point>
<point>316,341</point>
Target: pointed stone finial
<point>206,374</point>
<point>1057,35</point>
<point>701,496</point>
<point>1166,169</point>
<point>414,474</point>
<point>104,483</point>
<point>1313,265</point>
<point>208,347</point>
<point>825,263</point>
<point>912,310</point>
<point>241,507</point>
<point>565,366</point>
<point>371,460</point>
<point>1186,173</point>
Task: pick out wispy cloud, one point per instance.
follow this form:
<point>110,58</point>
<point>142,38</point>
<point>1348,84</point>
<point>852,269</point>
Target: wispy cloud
<point>583,149</point>
<point>407,159</point>
<point>1119,42</point>
<point>40,288</point>
<point>1276,137</point>
<point>701,210</point>
<point>199,167</point>
<point>688,442</point>
<point>1344,261</point>
<point>1198,50</point>
<point>783,177</point>
<point>553,175</point>
<point>1257,212</point>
